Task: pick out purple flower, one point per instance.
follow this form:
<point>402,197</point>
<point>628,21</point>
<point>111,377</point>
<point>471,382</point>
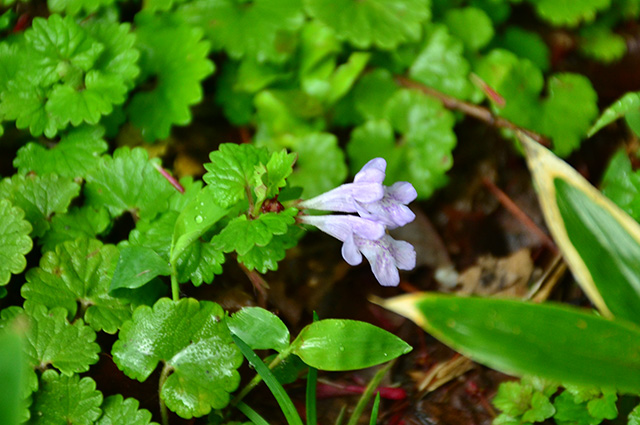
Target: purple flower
<point>379,208</point>
<point>366,237</point>
<point>342,227</point>
<point>366,187</point>
<point>391,210</point>
<point>386,255</point>
<point>369,198</point>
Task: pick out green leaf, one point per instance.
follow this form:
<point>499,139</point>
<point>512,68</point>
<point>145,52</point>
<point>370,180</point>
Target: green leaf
<point>69,74</point>
<point>65,399</point>
<point>198,214</point>
<point>513,398</point>
<point>193,257</point>
<point>259,329</point>
<point>137,266</point>
<point>600,243</point>
<point>372,92</point>
<point>570,412</point>
<point>380,23</point>
<point>173,57</point>
<point>527,45</point>
<point>569,12</point>
<point>14,239</point>
<point>12,364</point>
<point>78,273</point>
<point>128,182</point>
<point>441,64</point>
<point>118,411</point>
<point>471,25</point>
<point>271,177</point>
<point>334,344</point>
<point>552,341</point>
<point>604,407</point>
<point>73,7</point>
<point>77,152</point>
<point>320,166</point>
<point>599,43</point>
<point>231,171</point>
<point>263,258</point>
<point>541,409</point>
<point>621,107</point>
<point>565,115</point>
<point>40,197</point>
<point>78,222</point>
<point>568,111</point>
<point>199,263</point>
<point>622,185</point>
<point>242,234</point>
<point>52,340</point>
<point>422,156</point>
<point>634,416</point>
<point>195,346</point>
<point>254,30</point>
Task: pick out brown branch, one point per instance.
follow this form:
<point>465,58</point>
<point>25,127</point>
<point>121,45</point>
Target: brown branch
<point>517,212</point>
<point>478,112</point>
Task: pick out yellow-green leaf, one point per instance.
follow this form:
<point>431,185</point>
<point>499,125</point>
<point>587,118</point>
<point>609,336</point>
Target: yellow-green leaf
<point>599,241</point>
<point>553,341</point>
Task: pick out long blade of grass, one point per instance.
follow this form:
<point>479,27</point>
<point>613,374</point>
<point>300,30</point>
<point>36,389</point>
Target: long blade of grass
<point>278,392</point>
<point>312,381</point>
<point>374,410</point>
<point>368,392</point>
<point>251,414</point>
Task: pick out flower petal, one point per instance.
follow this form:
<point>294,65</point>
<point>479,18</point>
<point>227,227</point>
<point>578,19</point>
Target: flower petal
<point>403,192</point>
<point>350,252</point>
<point>381,259</point>
<point>403,253</point>
<point>343,198</point>
<point>342,227</point>
<point>372,172</point>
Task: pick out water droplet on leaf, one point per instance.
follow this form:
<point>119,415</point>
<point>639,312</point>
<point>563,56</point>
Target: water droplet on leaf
<point>199,219</point>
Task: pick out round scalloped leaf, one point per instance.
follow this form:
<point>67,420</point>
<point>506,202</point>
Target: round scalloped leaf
<point>69,74</point>
<point>40,197</point>
<point>65,400</point>
<point>441,63</point>
<point>79,222</point>
<point>254,29</point>
<point>174,57</point>
<point>14,239</point>
<point>78,273</point>
<point>118,411</point>
<point>381,23</point>
<point>569,12</point>
<point>568,111</point>
<point>73,7</point>
<point>600,43</point>
<point>52,340</point>
<point>194,344</point>
<point>320,165</point>
<point>128,182</point>
<point>77,152</point>
<point>471,25</point>
<point>242,234</point>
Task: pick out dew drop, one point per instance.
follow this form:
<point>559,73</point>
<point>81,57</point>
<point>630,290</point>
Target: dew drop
<point>341,348</point>
<point>199,219</point>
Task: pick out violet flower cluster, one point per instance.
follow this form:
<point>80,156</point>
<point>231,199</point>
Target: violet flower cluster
<point>378,208</point>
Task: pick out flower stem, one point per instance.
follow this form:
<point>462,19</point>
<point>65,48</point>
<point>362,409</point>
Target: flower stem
<point>164,413</point>
<point>175,287</point>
